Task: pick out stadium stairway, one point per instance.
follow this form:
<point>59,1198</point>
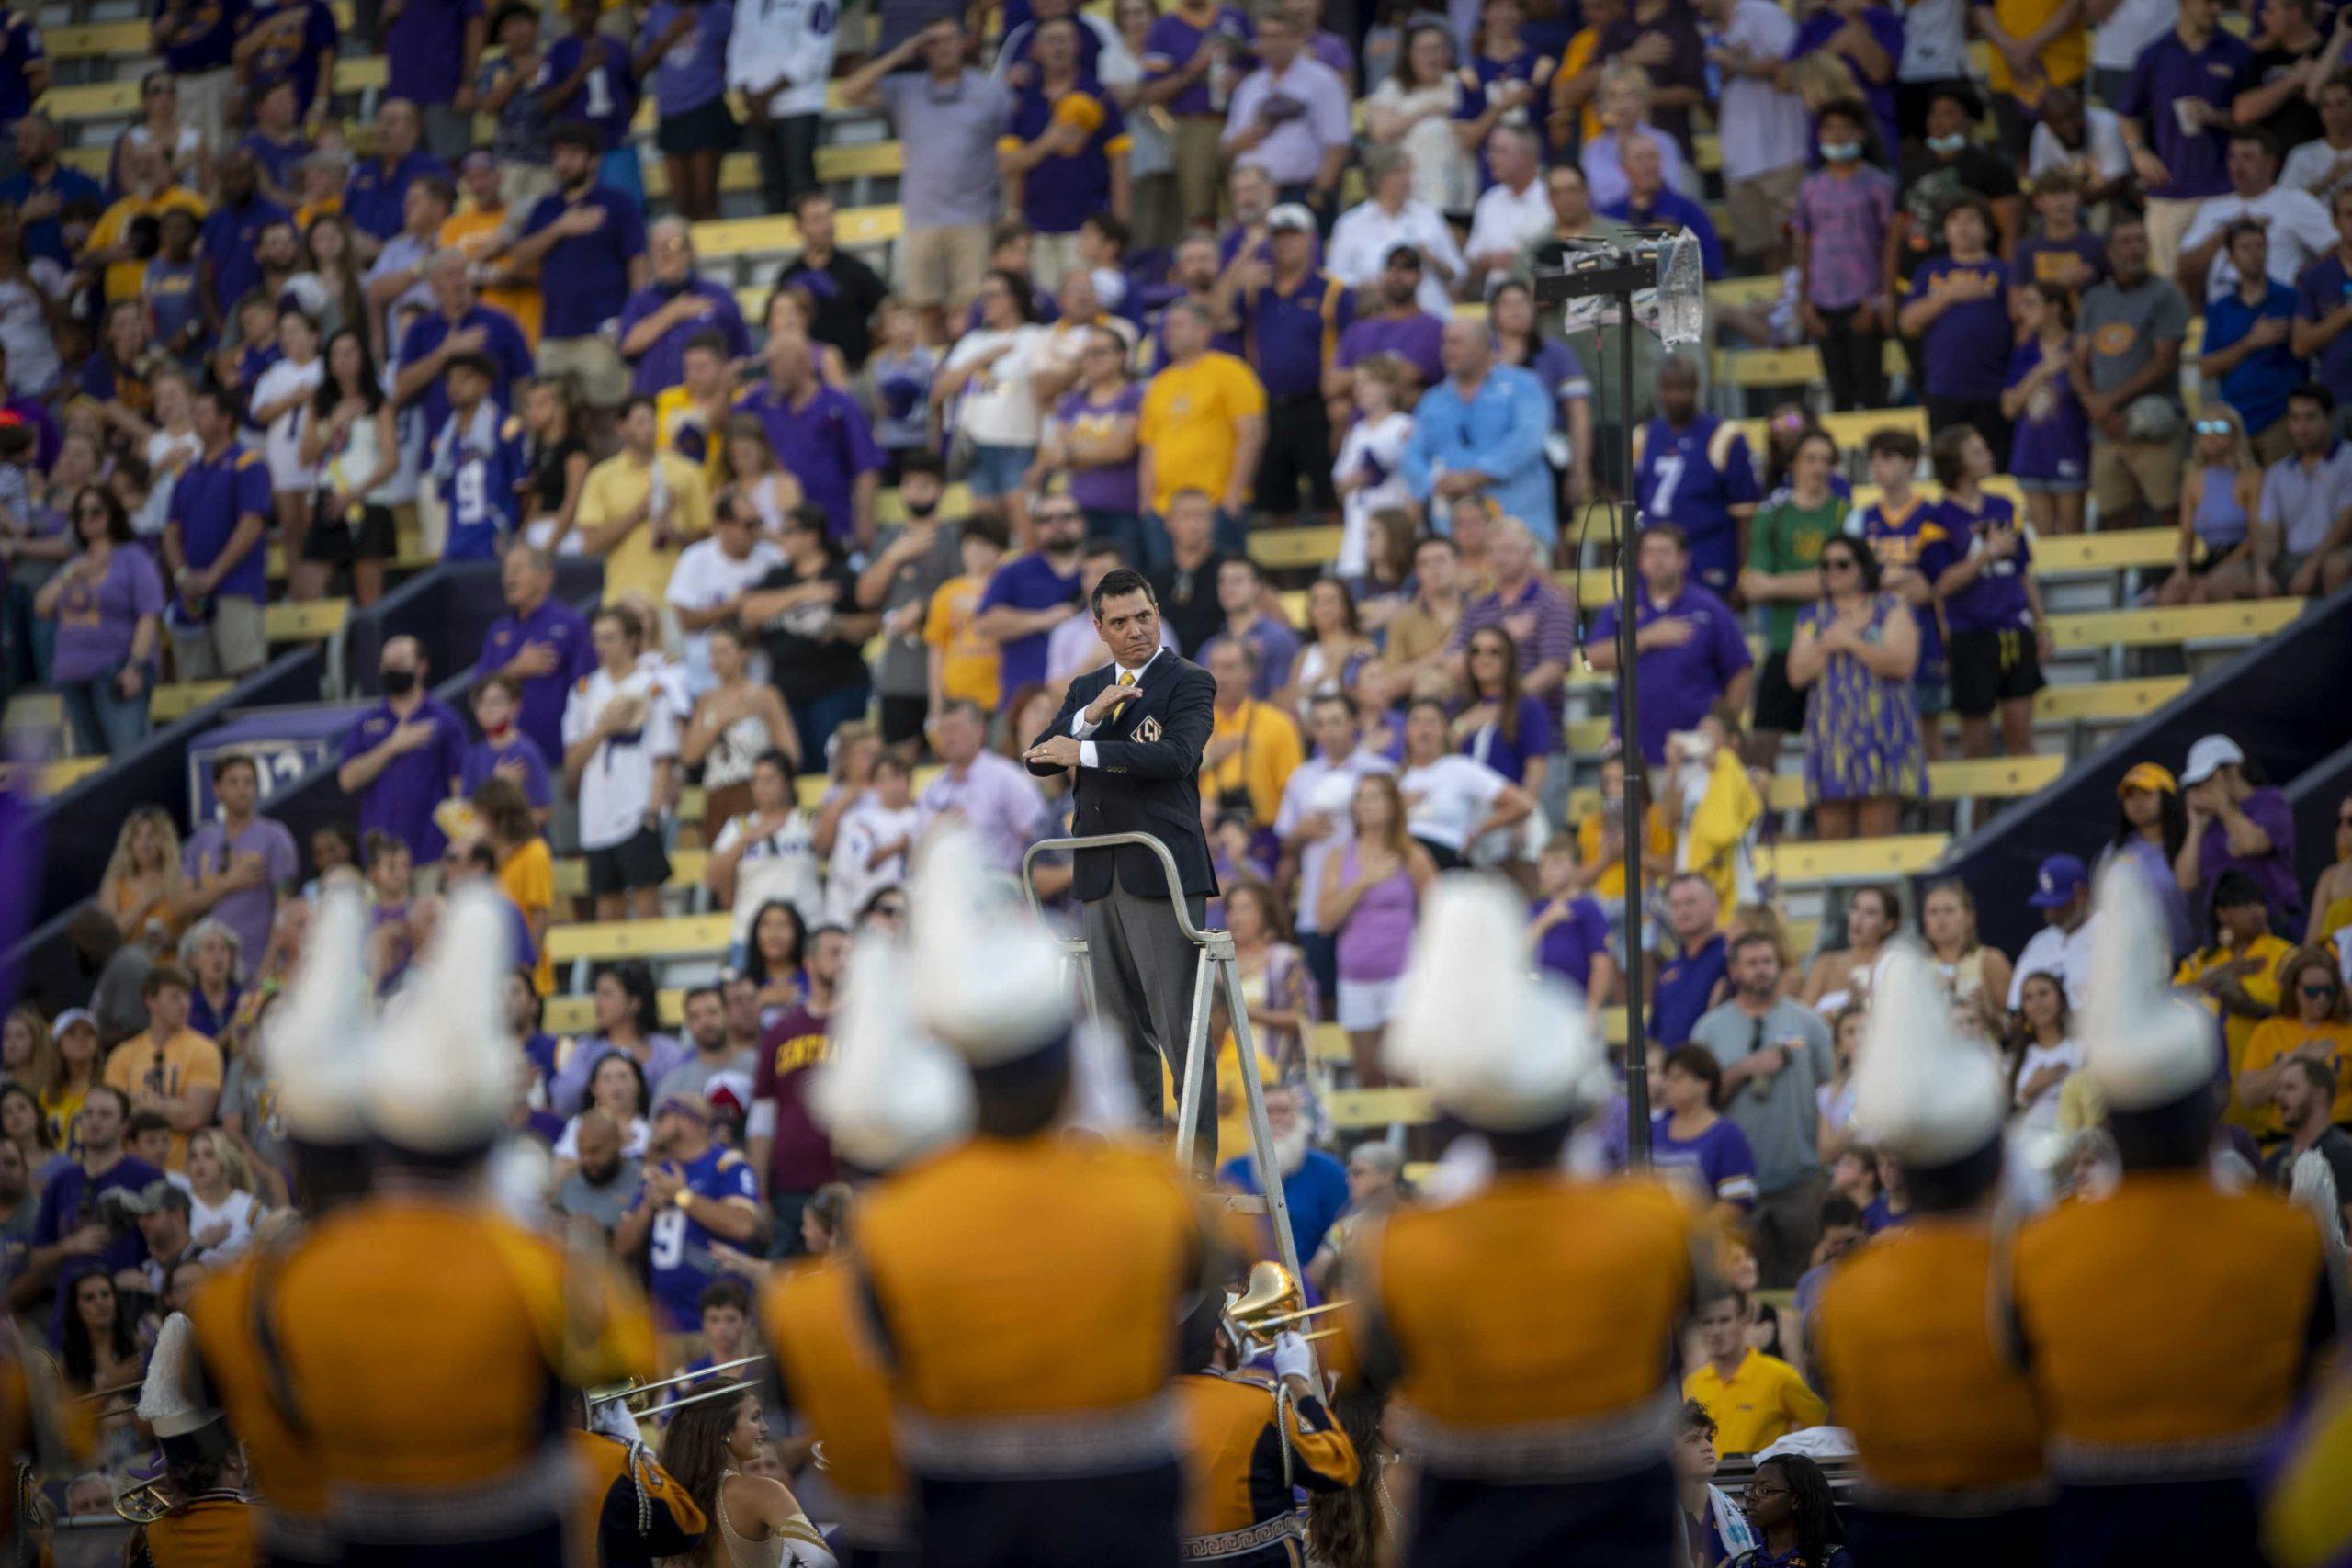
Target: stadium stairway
<point>2278,698</point>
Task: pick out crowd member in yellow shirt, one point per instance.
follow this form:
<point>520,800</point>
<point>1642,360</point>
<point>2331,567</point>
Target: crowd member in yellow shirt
<point>1253,746</point>
<point>2035,45</point>
<point>168,1068</point>
<point>2239,977</point>
<point>691,417</point>
<point>147,192</point>
<point>640,507</point>
<point>2311,1022</point>
<point>965,665</point>
<point>1755,1399</point>
<point>1203,425</point>
<point>482,231</point>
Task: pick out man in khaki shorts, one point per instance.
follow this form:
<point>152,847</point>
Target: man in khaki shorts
<point>2130,332</point>
<point>588,243</point>
<point>948,117</point>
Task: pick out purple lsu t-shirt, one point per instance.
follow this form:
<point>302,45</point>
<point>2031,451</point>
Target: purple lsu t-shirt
<point>1413,339</point>
<point>1967,348</point>
<point>1169,47</point>
<point>209,852</point>
<point>555,624</point>
<point>1570,946</point>
<point>519,752</point>
<point>426,45</point>
<point>1680,682</point>
<point>95,622</point>
<point>401,799</point>
<point>1026,582</point>
<point>2267,809</point>
<point>1109,489</point>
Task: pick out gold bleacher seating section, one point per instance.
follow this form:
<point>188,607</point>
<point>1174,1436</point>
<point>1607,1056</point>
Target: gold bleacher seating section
<point>312,620</point>
<point>678,936</point>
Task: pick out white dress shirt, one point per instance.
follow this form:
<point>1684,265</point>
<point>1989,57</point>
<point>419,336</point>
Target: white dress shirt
<point>1504,219</point>
<point>1081,727</point>
<point>1365,233</point>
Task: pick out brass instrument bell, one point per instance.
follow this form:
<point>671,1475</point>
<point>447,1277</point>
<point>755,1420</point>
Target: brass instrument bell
<point>1268,1304</point>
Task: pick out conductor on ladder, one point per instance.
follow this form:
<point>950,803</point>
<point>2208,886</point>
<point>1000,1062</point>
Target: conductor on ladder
<point>1135,730</point>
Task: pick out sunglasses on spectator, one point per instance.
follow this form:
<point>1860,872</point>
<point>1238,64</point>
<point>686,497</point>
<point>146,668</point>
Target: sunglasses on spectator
<point>2320,990</point>
<point>1061,514</point>
<point>1839,563</point>
<point>2344,820</point>
<point>2215,427</point>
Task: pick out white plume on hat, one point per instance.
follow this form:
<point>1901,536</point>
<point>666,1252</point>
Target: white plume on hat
<point>1921,1090</point>
<point>169,1400</point>
<point>890,1092</point>
<point>1498,1047</point>
<point>444,1076</point>
<point>989,981</point>
<point>2143,1045</point>
<point>318,1044</point>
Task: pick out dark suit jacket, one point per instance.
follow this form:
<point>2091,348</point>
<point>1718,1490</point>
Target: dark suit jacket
<point>1149,781</point>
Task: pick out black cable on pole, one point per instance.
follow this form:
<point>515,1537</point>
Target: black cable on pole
<point>1629,602</point>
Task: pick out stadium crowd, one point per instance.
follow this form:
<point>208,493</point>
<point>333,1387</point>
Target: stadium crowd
<point>1167,284</point>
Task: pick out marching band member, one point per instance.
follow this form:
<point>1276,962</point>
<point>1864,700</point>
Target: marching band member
<point>1949,1442</point>
<point>889,1097</point>
<point>2168,1328</point>
<point>315,1045</point>
<point>419,1342</point>
<point>632,1509</point>
<point>1025,1287</point>
<point>209,1524</point>
<point>1539,1406</point>
<point>1247,1445</point>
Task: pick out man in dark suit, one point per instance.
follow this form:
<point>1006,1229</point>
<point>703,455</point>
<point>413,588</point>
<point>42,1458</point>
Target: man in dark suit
<point>1134,729</point>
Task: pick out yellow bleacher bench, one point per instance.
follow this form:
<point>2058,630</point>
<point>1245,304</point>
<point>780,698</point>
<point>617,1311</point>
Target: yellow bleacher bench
<point>99,41</point>
<point>2107,699</point>
<point>308,620</point>
<point>2184,624</point>
<point>728,237</point>
<point>1850,860</point>
<point>577,1015</point>
<point>738,175</point>
<point>56,777</point>
<point>1798,367</point>
<point>168,704</point>
<point>118,99</point>
<point>676,936</point>
<point>36,710</point>
<point>1356,1109</point>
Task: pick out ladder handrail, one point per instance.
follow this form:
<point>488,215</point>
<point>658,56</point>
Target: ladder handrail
<point>1193,933</point>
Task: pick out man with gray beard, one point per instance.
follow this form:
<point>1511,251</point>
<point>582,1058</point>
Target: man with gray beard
<point>1314,1184</point>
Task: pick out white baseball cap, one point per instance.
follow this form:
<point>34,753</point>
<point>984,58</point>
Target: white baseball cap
<point>2210,756</point>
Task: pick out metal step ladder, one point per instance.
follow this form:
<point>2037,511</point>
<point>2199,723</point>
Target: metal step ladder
<point>1215,966</point>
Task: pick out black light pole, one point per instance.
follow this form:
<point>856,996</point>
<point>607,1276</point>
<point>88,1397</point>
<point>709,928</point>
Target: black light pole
<point>1615,273</point>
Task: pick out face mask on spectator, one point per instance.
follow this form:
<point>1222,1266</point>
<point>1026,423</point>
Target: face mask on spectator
<point>922,508</point>
<point>1841,152</point>
<point>398,683</point>
<point>1952,143</point>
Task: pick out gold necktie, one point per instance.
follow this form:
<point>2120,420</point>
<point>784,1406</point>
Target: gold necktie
<point>1127,677</point>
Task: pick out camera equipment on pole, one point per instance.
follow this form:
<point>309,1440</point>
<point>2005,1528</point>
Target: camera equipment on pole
<point>1648,279</point>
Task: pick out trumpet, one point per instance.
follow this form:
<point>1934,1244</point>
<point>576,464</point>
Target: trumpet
<point>1269,1305</point>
